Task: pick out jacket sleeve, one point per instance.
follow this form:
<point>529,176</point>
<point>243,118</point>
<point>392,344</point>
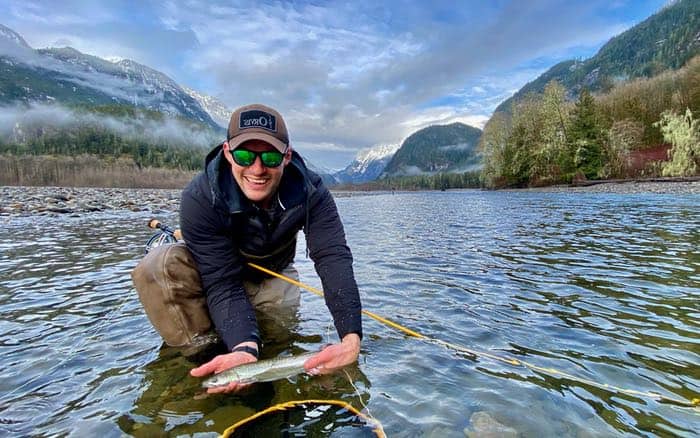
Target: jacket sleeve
<point>220,268</point>
<point>325,239</point>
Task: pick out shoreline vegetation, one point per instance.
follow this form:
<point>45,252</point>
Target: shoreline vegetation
<point>646,127</point>
<point>76,201</point>
<point>87,170</point>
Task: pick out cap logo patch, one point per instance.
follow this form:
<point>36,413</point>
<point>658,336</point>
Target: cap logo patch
<point>257,119</point>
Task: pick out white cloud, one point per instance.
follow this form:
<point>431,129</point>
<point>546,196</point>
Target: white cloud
<point>167,131</point>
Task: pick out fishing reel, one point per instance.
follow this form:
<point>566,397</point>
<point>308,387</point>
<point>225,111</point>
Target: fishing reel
<point>164,235</point>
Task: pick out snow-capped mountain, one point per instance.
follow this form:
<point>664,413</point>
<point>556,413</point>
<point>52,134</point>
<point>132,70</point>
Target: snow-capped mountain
<point>216,108</point>
<point>368,164</point>
<point>9,35</point>
<point>66,75</point>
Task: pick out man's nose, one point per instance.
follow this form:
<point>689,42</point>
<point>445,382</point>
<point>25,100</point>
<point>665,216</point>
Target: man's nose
<point>257,165</point>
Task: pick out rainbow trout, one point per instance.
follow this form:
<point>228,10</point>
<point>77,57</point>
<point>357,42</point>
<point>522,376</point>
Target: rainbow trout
<point>261,371</point>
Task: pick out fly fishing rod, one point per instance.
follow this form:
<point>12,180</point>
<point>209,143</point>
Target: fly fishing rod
<point>164,236</point>
<point>175,234</point>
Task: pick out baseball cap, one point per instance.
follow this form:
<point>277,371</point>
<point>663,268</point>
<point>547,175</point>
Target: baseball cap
<point>257,122</point>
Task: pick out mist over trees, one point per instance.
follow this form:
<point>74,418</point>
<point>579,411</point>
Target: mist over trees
<point>149,138</point>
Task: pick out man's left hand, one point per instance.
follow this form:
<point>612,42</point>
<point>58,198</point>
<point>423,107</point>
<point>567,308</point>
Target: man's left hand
<point>223,362</point>
<point>335,356</point>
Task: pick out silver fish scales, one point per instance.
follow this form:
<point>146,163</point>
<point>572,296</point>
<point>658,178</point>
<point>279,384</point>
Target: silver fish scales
<point>261,371</point>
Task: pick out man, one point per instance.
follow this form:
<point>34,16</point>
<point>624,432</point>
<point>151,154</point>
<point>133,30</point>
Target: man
<point>248,205</point>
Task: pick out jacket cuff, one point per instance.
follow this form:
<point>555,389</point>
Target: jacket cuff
<point>350,325</point>
<point>236,331</point>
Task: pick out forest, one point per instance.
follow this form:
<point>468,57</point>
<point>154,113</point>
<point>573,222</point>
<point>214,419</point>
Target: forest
<point>546,139</point>
<point>106,145</point>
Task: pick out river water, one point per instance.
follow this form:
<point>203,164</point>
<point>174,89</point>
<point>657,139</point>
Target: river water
<point>597,296</point>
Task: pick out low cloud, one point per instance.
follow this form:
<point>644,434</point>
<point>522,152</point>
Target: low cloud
<point>15,119</point>
<point>457,147</point>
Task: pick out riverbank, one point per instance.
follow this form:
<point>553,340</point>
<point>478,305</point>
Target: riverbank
<point>689,186</point>
<point>16,200</point>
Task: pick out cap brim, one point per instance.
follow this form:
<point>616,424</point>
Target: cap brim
<point>267,138</point>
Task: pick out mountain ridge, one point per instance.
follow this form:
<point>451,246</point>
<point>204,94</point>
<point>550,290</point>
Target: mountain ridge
<point>66,75</point>
<point>633,53</point>
<point>436,148</point>
<point>368,164</point>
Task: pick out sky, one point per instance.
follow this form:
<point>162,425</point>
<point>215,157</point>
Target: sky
<point>345,75</point>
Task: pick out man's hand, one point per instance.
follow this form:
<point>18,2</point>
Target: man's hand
<point>335,356</point>
<point>223,362</point>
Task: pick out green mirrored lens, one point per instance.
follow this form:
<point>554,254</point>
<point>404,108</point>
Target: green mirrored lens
<point>271,158</point>
<point>243,157</point>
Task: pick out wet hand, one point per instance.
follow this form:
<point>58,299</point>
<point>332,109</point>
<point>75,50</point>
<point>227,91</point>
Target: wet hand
<point>221,363</point>
<point>335,356</point>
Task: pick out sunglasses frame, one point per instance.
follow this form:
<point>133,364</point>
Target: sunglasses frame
<point>256,155</point>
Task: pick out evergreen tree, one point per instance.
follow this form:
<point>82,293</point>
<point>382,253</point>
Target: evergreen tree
<point>586,136</point>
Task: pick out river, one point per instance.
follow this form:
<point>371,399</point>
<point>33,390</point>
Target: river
<point>596,295</point>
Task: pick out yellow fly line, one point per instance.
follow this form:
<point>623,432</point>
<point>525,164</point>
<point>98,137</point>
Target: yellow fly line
<point>378,430</point>
<point>695,402</point>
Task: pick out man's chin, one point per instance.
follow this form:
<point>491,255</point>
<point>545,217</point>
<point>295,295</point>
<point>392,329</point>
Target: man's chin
<point>257,195</point>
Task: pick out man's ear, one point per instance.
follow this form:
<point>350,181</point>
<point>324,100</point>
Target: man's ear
<point>288,155</point>
<point>227,153</point>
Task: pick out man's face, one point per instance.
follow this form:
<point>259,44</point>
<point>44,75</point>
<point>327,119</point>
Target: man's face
<point>258,183</point>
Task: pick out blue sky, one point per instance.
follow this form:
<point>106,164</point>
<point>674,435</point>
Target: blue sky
<point>345,75</point>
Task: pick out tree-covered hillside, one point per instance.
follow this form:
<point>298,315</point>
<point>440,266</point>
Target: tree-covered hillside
<point>646,127</point>
<point>150,138</point>
<point>436,149</point>
<point>22,83</point>
<point>666,40</point>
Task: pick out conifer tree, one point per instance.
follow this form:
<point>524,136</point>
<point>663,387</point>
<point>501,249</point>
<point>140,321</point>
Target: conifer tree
<point>586,136</point>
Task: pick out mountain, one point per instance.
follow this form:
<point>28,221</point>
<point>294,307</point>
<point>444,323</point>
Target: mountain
<point>666,40</point>
<point>368,165</point>
<point>326,175</point>
<point>67,76</point>
<point>216,109</point>
<point>13,39</point>
<point>440,148</point>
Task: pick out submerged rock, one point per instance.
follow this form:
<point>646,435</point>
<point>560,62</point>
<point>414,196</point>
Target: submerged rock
<point>484,425</point>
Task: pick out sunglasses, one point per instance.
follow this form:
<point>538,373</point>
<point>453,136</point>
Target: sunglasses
<point>245,158</point>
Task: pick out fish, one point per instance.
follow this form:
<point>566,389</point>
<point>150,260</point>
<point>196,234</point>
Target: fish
<point>266,370</point>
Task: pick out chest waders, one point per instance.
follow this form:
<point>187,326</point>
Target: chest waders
<point>170,291</point>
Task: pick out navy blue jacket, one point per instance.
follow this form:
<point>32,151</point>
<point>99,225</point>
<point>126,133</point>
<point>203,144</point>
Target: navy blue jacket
<point>224,231</point>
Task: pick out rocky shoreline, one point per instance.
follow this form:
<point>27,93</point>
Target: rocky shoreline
<point>20,201</point>
<point>670,187</point>
<point>78,200</point>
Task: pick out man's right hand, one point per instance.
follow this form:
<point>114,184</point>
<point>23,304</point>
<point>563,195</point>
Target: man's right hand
<point>223,362</point>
